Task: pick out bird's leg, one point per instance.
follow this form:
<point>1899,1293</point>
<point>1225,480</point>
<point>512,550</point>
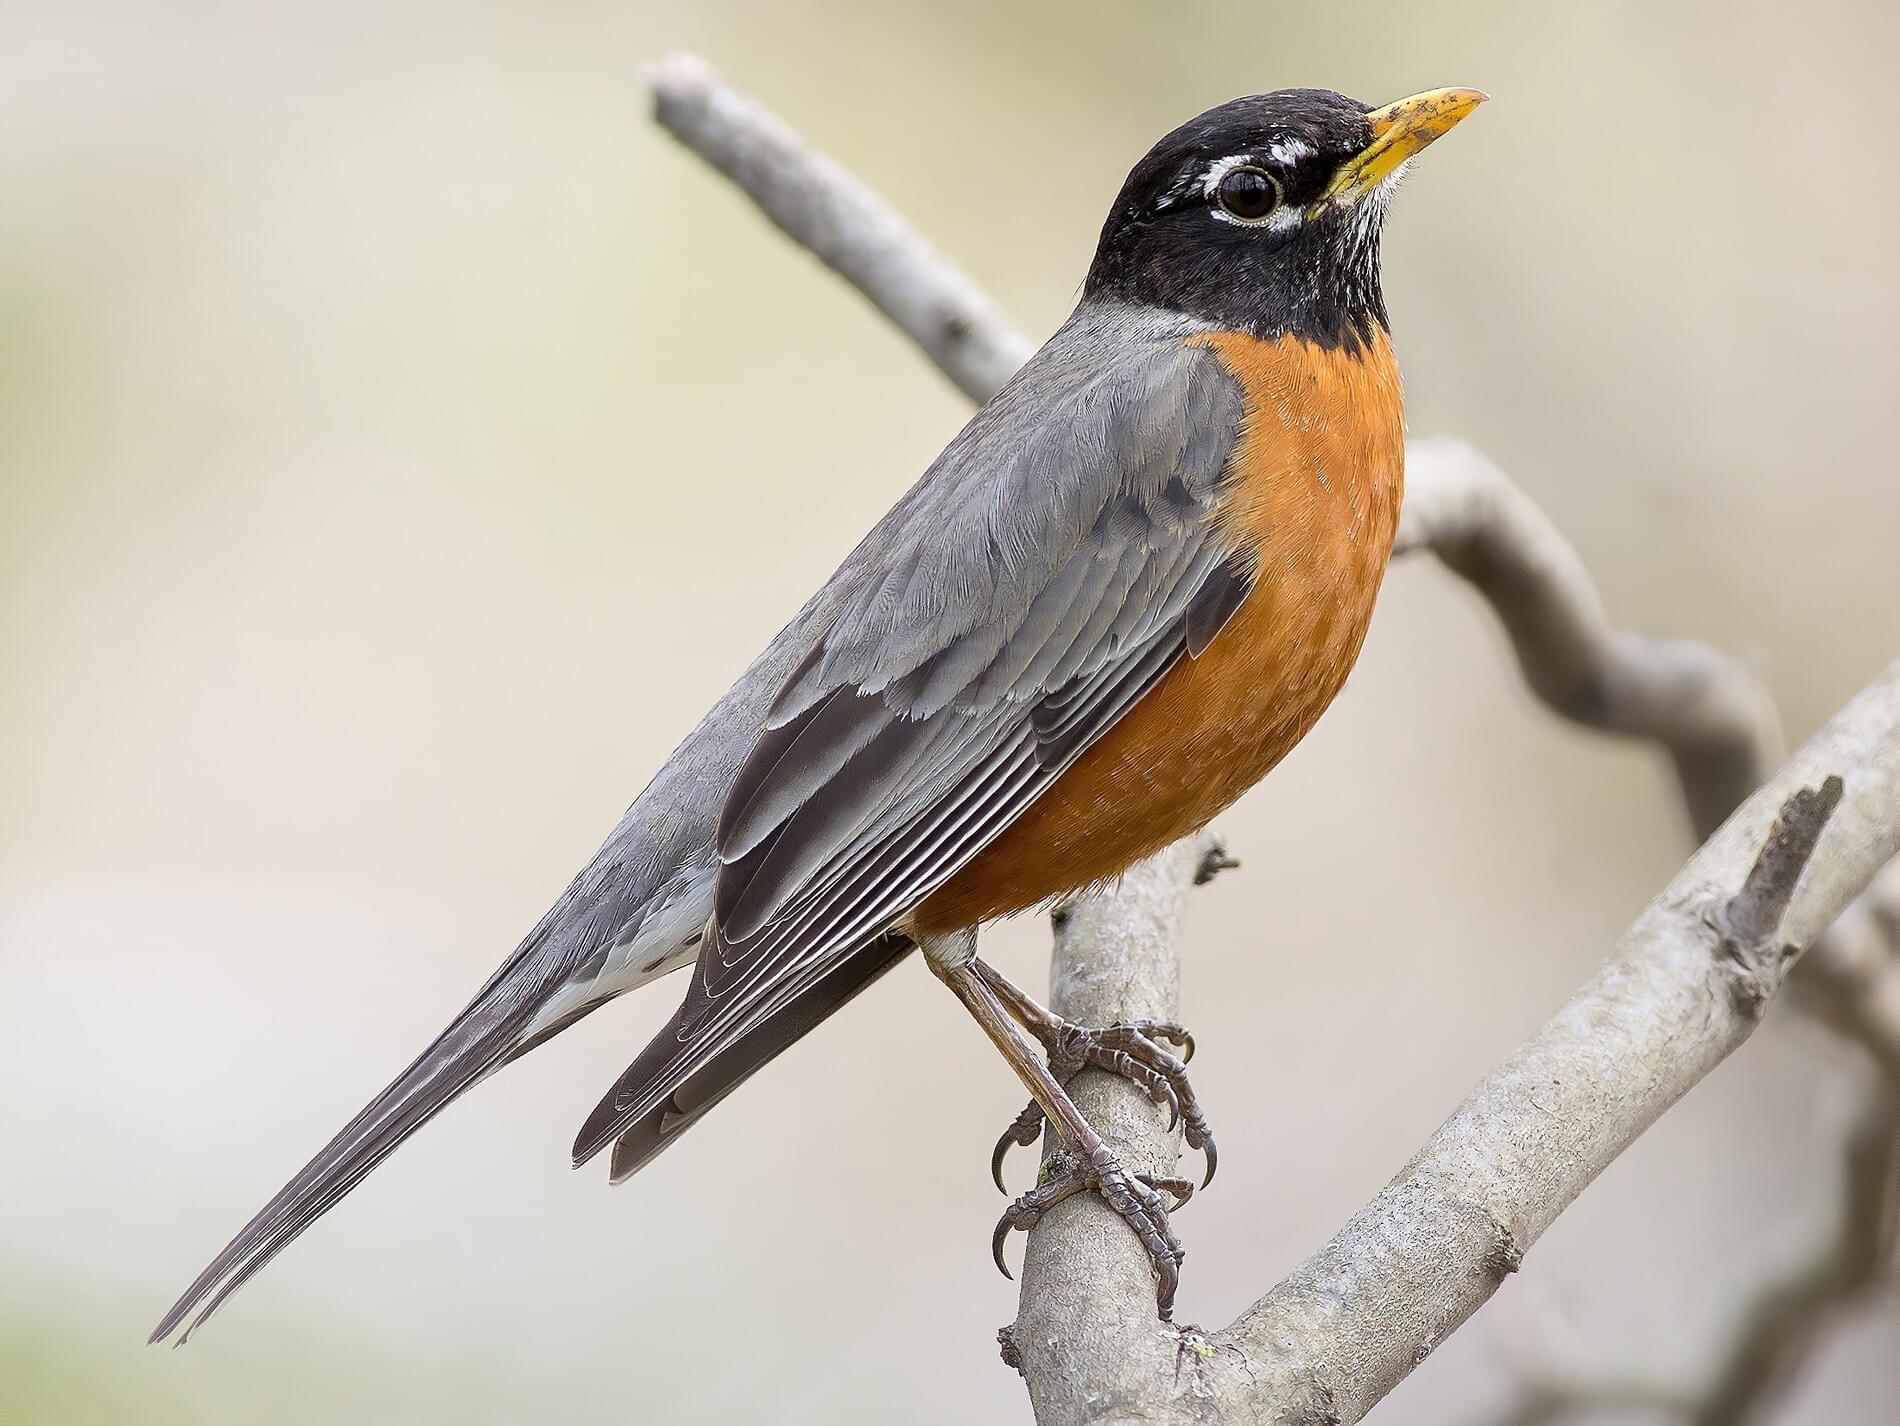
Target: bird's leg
<point>1129,1048</point>
<point>1136,1197</point>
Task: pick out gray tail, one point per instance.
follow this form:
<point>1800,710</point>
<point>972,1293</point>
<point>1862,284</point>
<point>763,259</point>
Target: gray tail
<point>637,1143</point>
<point>484,1036</point>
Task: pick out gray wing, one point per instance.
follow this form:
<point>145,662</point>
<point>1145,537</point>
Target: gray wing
<point>1053,564</point>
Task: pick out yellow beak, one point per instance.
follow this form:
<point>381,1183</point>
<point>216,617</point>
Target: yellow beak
<point>1399,131</point>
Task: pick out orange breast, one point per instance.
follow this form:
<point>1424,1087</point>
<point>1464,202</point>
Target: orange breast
<point>1314,486</point>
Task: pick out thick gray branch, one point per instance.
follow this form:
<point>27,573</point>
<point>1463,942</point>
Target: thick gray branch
<point>1684,989</point>
<point>1679,996</point>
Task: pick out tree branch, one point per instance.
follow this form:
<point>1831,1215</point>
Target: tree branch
<point>1711,715</point>
<point>849,228</point>
<point>1689,982</point>
<point>1714,719</point>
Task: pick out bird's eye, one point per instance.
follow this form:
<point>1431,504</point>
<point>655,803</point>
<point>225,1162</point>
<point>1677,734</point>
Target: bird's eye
<point>1248,194</point>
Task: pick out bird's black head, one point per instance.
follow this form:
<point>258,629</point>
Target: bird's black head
<point>1264,215</point>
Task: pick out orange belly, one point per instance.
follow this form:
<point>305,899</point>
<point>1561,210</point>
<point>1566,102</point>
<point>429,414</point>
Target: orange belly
<point>1314,488</point>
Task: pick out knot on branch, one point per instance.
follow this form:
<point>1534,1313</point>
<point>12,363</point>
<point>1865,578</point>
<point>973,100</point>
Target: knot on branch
<point>1006,1344</point>
<point>1506,1255</point>
<point>1749,922</point>
<point>955,329</point>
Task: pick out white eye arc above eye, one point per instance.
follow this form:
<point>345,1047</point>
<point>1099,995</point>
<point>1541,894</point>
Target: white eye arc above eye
<point>1219,169</point>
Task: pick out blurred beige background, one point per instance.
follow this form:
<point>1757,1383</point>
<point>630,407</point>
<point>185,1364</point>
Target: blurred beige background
<point>401,443</point>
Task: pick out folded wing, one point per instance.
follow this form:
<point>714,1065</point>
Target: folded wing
<point>1048,570</point>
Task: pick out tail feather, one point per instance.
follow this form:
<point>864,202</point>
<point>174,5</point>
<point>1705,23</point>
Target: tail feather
<point>640,1141</point>
<point>480,1039</point>
<point>686,1102</point>
<point>509,1016</point>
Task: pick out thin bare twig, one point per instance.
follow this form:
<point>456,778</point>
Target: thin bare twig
<point>858,235</point>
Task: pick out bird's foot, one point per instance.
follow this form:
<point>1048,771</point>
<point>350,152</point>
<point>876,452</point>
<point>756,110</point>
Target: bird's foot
<point>1137,1197</point>
<point>1132,1049</point>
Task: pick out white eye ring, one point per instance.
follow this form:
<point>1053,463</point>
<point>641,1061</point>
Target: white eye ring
<point>1218,198</point>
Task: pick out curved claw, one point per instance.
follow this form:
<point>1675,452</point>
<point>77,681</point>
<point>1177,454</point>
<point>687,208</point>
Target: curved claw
<point>1213,1162</point>
<point>1136,1197</point>
<point>1173,1101</point>
<point>1167,1030</point>
<point>997,1239</point>
<point>998,1154</point>
<point>1020,1134</point>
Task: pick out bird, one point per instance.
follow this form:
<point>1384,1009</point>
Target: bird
<point>1122,593</point>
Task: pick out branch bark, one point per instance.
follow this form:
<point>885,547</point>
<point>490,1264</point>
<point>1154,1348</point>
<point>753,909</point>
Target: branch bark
<point>1689,982</point>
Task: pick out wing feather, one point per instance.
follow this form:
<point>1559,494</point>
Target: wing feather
<point>1048,570</point>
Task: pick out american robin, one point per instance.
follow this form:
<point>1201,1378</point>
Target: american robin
<point>1124,591</point>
